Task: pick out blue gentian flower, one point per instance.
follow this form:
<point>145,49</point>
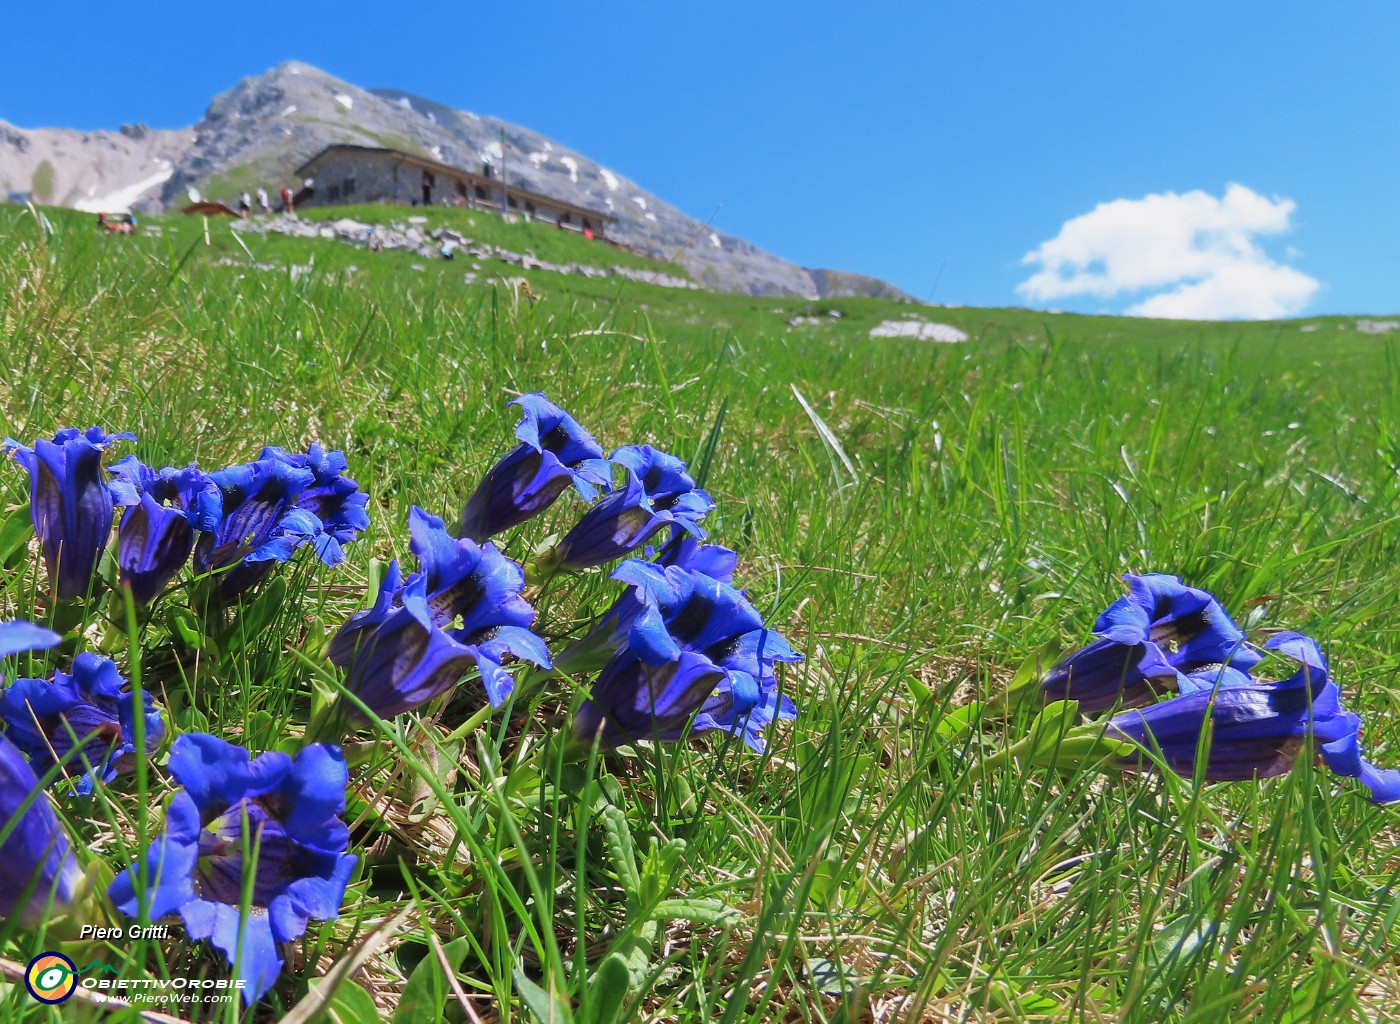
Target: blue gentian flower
<point>697,657</point>
<point>554,453</point>
<point>19,636</point>
<point>713,560</point>
<point>70,502</point>
<point>167,509</point>
<point>89,709</point>
<point>462,610</point>
<point>1258,729</point>
<point>589,652</point>
<point>284,810</point>
<point>37,868</point>
<point>37,871</point>
<point>262,524</point>
<point>333,498</point>
<point>658,493</point>
<point>1150,642</point>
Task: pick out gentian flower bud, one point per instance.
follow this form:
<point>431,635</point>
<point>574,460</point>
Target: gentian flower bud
<point>658,493</point>
<point>158,529</point>
<point>71,504</point>
<point>1150,641</point>
<point>554,453</point>
<point>286,811</point>
<point>87,709</point>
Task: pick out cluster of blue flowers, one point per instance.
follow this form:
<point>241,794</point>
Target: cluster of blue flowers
<point>254,847</point>
<point>1180,675</point>
<point>275,815</point>
<point>680,652</point>
<point>235,525</point>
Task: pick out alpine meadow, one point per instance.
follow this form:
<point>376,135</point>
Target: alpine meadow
<point>413,639</point>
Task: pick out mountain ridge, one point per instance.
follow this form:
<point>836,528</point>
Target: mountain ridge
<point>265,127</point>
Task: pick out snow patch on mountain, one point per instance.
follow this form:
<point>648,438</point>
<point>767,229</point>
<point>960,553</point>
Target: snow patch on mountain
<point>122,199</point>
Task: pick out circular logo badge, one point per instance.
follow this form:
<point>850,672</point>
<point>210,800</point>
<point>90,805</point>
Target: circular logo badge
<point>51,977</point>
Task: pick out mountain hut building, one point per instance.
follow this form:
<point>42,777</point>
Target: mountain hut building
<point>369,174</point>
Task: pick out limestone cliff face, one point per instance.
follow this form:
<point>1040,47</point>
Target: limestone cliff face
<point>263,129</point>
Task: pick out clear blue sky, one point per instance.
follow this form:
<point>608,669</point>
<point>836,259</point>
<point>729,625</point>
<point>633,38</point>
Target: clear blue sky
<point>931,144</point>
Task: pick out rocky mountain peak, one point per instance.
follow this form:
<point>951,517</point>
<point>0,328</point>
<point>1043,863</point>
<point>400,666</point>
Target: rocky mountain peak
<point>259,132</point>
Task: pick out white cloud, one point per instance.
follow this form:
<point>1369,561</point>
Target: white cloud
<point>1195,253</point>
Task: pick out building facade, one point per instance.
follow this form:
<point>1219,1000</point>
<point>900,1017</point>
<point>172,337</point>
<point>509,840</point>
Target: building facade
<point>368,174</point>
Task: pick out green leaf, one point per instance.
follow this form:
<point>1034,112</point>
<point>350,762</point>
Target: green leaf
<point>607,990</point>
<point>1019,999</point>
<point>696,911</point>
<point>621,850</point>
<point>1058,739</point>
<point>658,868</point>
<point>1180,939</point>
<point>257,616</point>
<point>350,1004</point>
<point>827,977</point>
<point>426,991</point>
<point>1049,728</point>
<point>15,531</point>
<point>544,1007</point>
<point>960,720</point>
<point>181,623</point>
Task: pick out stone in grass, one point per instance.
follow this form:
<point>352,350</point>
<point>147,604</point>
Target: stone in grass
<point>919,329</point>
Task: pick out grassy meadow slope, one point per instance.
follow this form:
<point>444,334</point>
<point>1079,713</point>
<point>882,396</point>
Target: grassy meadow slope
<point>969,513</point>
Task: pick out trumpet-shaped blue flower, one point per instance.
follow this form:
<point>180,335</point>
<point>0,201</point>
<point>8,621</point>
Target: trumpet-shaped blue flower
<point>37,868</point>
<point>589,652</point>
<point>659,492</point>
<point>697,657</point>
<point>333,498</point>
<point>19,636</point>
<point>87,709</point>
<point>275,817</point>
<point>462,610</point>
<point>1256,729</point>
<point>71,503</point>
<point>1150,642</point>
<point>554,453</point>
<point>262,524</point>
<point>168,509</point>
<point>275,505</point>
<point>685,551</point>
